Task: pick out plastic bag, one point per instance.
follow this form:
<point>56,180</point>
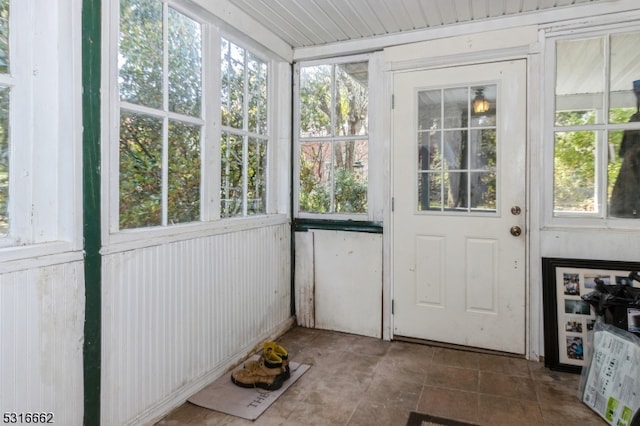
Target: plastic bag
<point>610,383</point>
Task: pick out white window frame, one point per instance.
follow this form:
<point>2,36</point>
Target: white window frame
<point>245,134</point>
<point>45,187</point>
<point>115,239</point>
<point>374,187</point>
<point>591,220</point>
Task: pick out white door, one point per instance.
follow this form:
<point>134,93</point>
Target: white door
<point>459,138</point>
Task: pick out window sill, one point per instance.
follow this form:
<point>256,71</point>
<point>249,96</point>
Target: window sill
<point>19,258</point>
<point>591,224</point>
<point>148,237</point>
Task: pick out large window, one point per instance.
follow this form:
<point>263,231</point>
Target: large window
<point>244,132</point>
<point>172,85</point>
<point>597,126</point>
<point>40,88</point>
<point>160,68</point>
<point>333,138</point>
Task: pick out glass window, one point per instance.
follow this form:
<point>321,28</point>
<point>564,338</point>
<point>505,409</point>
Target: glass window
<point>457,149</point>
<point>160,85</point>
<point>244,138</point>
<point>597,123</point>
<point>333,138</point>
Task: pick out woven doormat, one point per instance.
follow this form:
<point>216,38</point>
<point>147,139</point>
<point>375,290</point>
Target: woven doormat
<point>248,403</point>
<point>419,419</point>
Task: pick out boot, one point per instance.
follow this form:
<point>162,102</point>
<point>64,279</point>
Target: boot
<point>266,373</point>
<point>278,350</point>
<point>282,353</point>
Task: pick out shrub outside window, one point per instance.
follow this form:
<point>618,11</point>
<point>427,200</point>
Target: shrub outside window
<point>333,138</point>
<point>597,127</point>
<point>167,176</point>
<point>160,83</point>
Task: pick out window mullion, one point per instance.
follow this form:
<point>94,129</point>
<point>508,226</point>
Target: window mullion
<point>165,107</point>
<point>245,138</point>
<point>332,144</point>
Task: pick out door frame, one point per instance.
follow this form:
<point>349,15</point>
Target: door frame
<point>518,43</point>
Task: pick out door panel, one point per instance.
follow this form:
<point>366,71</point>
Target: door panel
<point>458,169</point>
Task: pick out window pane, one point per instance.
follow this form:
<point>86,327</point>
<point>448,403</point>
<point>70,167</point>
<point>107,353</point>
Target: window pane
<point>185,65</point>
<point>352,99</point>
<point>574,171</point>
<point>183,204</point>
<point>455,190</point>
<point>257,81</point>
<point>4,160</point>
<point>315,101</point>
<point>257,177</point>
<point>456,105</point>
<point>624,174</point>
<point>350,185</point>
<point>140,171</point>
<point>140,55</point>
<point>429,152</point>
<point>483,191</point>
<point>232,91</point>
<point>482,147</point>
<point>579,79</point>
<point>315,177</point>
<point>429,109</point>
<point>483,105</point>
<point>430,191</point>
<point>4,36</point>
<point>625,69</point>
<point>231,183</point>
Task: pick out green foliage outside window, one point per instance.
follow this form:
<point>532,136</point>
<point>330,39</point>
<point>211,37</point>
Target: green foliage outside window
<point>159,157</point>
<point>575,160</point>
<point>333,107</point>
<point>244,140</point>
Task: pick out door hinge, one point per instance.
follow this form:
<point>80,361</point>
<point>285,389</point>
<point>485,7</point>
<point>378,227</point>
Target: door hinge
<point>393,101</point>
<point>393,203</point>
<point>393,303</point>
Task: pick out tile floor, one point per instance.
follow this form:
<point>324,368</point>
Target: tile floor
<point>357,380</point>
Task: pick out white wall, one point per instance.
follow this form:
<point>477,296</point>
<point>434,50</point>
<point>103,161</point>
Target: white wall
<point>41,335</point>
<point>42,296</point>
<point>177,316</point>
<point>339,281</point>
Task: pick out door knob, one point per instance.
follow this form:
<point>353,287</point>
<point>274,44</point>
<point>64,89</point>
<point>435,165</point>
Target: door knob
<point>515,231</point>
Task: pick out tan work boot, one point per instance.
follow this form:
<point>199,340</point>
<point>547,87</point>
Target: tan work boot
<point>278,350</point>
<point>266,373</point>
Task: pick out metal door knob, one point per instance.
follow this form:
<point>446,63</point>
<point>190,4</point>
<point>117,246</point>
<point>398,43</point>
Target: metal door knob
<point>515,231</point>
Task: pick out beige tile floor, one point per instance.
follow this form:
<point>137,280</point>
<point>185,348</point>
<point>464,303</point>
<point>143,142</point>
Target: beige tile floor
<point>357,380</point>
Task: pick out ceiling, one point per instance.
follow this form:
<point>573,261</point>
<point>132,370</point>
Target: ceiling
<point>309,23</point>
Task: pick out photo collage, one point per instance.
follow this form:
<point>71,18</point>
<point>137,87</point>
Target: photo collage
<point>575,316</point>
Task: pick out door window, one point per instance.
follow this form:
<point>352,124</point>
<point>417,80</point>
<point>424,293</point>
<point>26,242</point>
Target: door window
<point>457,149</point>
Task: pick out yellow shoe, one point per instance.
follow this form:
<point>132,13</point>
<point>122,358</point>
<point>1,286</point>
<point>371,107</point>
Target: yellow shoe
<point>281,352</point>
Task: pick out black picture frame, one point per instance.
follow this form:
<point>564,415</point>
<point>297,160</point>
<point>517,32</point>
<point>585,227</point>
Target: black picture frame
<point>566,321</point>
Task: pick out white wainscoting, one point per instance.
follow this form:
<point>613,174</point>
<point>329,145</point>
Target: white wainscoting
<point>176,316</point>
<point>339,281</point>
<point>42,311</point>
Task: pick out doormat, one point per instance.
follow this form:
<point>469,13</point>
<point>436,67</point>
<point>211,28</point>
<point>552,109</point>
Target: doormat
<point>249,403</point>
<point>419,419</point>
